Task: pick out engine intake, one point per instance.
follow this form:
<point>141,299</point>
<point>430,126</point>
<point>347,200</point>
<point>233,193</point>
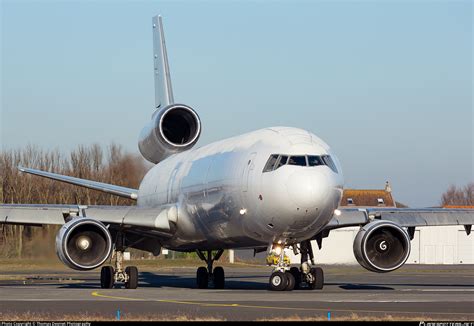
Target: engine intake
<point>173,129</point>
<point>381,246</point>
<point>83,243</point>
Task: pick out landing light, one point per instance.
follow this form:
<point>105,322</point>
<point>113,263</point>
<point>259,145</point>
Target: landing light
<point>277,250</point>
<point>337,212</point>
<point>243,211</point>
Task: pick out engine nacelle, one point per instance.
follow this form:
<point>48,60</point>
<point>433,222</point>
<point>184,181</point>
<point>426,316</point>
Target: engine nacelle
<point>173,129</point>
<point>83,243</point>
<point>382,246</point>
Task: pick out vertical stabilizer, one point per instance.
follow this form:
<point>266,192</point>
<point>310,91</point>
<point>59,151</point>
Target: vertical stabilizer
<point>173,127</point>
<point>163,89</point>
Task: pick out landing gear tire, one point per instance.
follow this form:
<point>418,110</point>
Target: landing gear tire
<point>290,281</point>
<point>107,277</point>
<point>318,276</point>
<point>297,275</point>
<point>132,273</point>
<point>202,278</point>
<point>219,277</point>
<point>278,281</point>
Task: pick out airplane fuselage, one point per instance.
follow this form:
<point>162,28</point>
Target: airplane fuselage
<point>224,199</point>
<point>273,188</point>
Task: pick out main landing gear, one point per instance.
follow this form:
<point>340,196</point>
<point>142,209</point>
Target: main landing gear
<point>206,275</point>
<point>109,276</point>
<point>285,278</point>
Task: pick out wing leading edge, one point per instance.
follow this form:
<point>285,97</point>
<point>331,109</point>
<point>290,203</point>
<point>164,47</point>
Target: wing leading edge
<point>100,186</point>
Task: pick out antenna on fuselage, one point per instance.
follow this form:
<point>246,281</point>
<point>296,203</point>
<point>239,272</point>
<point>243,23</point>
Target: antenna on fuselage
<point>163,89</point>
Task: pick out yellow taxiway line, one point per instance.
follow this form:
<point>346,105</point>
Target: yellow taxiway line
<point>237,305</point>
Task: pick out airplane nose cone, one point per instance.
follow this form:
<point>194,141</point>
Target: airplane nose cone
<point>308,189</point>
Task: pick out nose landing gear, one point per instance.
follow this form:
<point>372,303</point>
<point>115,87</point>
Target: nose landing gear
<point>281,279</point>
<point>215,276</point>
<point>285,278</point>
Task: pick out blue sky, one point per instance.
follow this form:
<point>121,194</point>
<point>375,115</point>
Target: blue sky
<point>387,84</point>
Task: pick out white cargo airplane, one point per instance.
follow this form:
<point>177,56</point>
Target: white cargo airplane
<point>270,189</point>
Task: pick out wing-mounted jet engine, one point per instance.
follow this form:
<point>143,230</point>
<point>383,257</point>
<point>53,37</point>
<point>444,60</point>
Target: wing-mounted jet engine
<point>83,243</point>
<point>174,127</point>
<point>381,246</point>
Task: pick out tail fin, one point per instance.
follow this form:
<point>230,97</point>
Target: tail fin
<point>163,89</point>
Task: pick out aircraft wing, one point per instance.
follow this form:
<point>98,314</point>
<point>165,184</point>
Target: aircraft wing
<point>405,217</point>
<point>100,186</point>
<point>121,216</point>
<point>147,226</point>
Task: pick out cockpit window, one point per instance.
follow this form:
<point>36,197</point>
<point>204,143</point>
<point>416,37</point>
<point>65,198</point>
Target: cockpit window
<point>329,162</point>
<point>276,161</point>
<point>282,161</point>
<point>314,160</point>
<point>297,160</point>
<point>270,163</point>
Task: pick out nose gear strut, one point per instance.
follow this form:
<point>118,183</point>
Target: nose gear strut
<point>286,278</point>
<point>281,278</point>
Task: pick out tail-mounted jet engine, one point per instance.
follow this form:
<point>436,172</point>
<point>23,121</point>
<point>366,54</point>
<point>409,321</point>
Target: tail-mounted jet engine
<point>173,129</point>
<point>381,246</point>
<point>83,243</point>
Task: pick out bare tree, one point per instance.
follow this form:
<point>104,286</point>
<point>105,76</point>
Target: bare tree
<point>89,162</point>
<point>462,196</point>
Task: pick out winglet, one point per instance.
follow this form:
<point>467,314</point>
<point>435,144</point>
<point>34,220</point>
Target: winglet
<point>163,89</point>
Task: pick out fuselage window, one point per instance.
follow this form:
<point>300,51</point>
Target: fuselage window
<point>329,162</point>
<point>297,160</point>
<point>315,160</point>
<point>282,161</point>
<point>270,163</point>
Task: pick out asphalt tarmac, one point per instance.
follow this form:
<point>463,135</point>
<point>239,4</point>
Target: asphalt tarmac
<point>420,291</point>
